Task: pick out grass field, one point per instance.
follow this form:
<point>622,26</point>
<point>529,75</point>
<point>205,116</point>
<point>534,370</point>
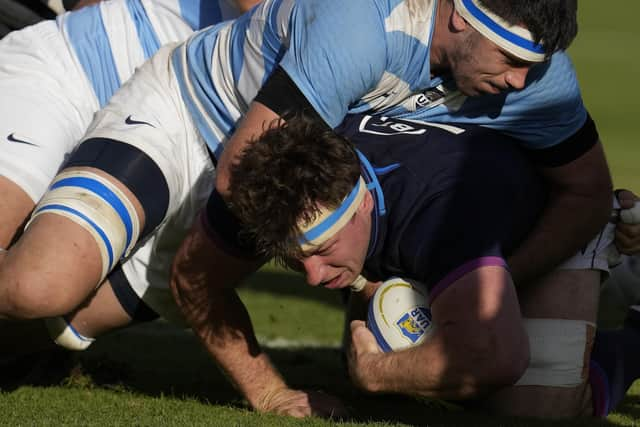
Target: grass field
<point>155,375</point>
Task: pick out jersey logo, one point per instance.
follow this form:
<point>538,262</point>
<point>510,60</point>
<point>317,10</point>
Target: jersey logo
<point>131,121</point>
<point>13,138</point>
<point>386,126</point>
<point>389,127</point>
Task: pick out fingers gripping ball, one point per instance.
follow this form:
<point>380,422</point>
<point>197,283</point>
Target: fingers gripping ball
<point>631,215</point>
<point>399,314</point>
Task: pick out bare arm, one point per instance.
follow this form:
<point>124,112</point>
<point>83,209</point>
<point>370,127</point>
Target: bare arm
<point>478,344</point>
<point>203,281</point>
<point>579,206</point>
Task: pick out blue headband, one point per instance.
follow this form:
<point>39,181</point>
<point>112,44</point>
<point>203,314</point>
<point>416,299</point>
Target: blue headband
<point>329,221</point>
<point>516,40</point>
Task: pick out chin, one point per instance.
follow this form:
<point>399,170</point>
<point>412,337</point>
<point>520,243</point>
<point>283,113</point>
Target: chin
<point>468,89</point>
<point>470,92</point>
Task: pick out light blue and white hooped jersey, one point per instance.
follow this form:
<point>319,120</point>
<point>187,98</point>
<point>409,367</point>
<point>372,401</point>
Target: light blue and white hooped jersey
<point>111,39</point>
<point>359,56</point>
<point>345,56</point>
<point>543,114</point>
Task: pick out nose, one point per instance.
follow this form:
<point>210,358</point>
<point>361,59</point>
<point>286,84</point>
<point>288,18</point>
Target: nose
<point>516,77</point>
<point>314,268</point>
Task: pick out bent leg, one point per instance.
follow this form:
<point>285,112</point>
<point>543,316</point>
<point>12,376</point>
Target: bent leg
<point>15,206</point>
<point>114,305</point>
<point>59,259</point>
<point>561,295</point>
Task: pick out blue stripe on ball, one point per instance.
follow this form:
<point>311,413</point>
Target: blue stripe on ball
<point>373,327</point>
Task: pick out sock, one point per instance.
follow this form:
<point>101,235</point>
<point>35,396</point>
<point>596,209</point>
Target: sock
<point>614,364</point>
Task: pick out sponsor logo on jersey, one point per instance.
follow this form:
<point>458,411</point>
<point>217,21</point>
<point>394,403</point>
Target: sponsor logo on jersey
<point>130,121</point>
<point>12,137</point>
<point>386,126</point>
<point>445,93</point>
<point>414,323</point>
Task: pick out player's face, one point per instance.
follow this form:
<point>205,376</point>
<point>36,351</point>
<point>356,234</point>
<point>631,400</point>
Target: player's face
<point>480,67</point>
<point>338,262</point>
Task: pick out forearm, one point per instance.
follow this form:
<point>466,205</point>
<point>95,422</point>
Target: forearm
<point>441,368</point>
<point>228,336</point>
<point>578,207</point>
<point>477,344</point>
<point>203,279</point>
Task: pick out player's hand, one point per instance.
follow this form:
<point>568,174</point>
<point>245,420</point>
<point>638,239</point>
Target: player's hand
<point>627,234</point>
<point>362,351</point>
<point>303,403</point>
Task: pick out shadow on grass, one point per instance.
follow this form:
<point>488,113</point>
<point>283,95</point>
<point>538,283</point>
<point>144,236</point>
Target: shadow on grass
<point>159,360</point>
<point>289,283</point>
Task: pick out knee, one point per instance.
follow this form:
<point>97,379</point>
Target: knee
<point>27,297</point>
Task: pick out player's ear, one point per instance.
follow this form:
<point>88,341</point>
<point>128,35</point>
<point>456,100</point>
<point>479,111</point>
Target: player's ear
<point>456,22</point>
<point>367,203</point>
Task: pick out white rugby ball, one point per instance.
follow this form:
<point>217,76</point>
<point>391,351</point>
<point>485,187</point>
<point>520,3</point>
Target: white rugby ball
<point>399,314</point>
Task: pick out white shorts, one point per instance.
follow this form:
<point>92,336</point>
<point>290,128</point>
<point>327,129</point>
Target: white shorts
<point>46,104</point>
<point>595,255</point>
<point>170,139</point>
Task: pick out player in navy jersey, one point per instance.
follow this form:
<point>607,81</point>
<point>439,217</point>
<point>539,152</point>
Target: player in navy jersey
<point>425,207</point>
<point>53,77</point>
<point>167,128</point>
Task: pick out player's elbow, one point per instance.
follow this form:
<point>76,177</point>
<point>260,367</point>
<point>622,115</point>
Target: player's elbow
<point>497,359</point>
<point>512,360</point>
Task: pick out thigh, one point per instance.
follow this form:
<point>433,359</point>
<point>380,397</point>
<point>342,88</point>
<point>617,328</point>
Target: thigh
<point>561,295</point>
<point>15,207</point>
<point>135,168</point>
<point>148,268</point>
<point>60,258</point>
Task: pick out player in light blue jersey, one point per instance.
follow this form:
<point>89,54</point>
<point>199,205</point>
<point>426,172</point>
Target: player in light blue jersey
<point>147,162</point>
<point>53,77</point>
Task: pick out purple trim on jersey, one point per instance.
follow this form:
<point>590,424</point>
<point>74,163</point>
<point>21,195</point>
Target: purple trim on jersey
<point>599,390</point>
<point>487,261</point>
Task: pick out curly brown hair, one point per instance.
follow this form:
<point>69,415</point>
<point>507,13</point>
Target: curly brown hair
<point>283,176</point>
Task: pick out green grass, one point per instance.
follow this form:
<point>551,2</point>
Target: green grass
<point>608,70</point>
<point>156,375</point>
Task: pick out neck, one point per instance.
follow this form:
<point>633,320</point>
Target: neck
<point>438,56</point>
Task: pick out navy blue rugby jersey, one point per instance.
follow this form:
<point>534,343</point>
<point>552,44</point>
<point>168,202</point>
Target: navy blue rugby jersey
<point>449,199</point>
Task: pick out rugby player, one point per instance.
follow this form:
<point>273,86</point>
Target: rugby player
<point>167,128</point>
<point>53,77</point>
<point>417,201</point>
